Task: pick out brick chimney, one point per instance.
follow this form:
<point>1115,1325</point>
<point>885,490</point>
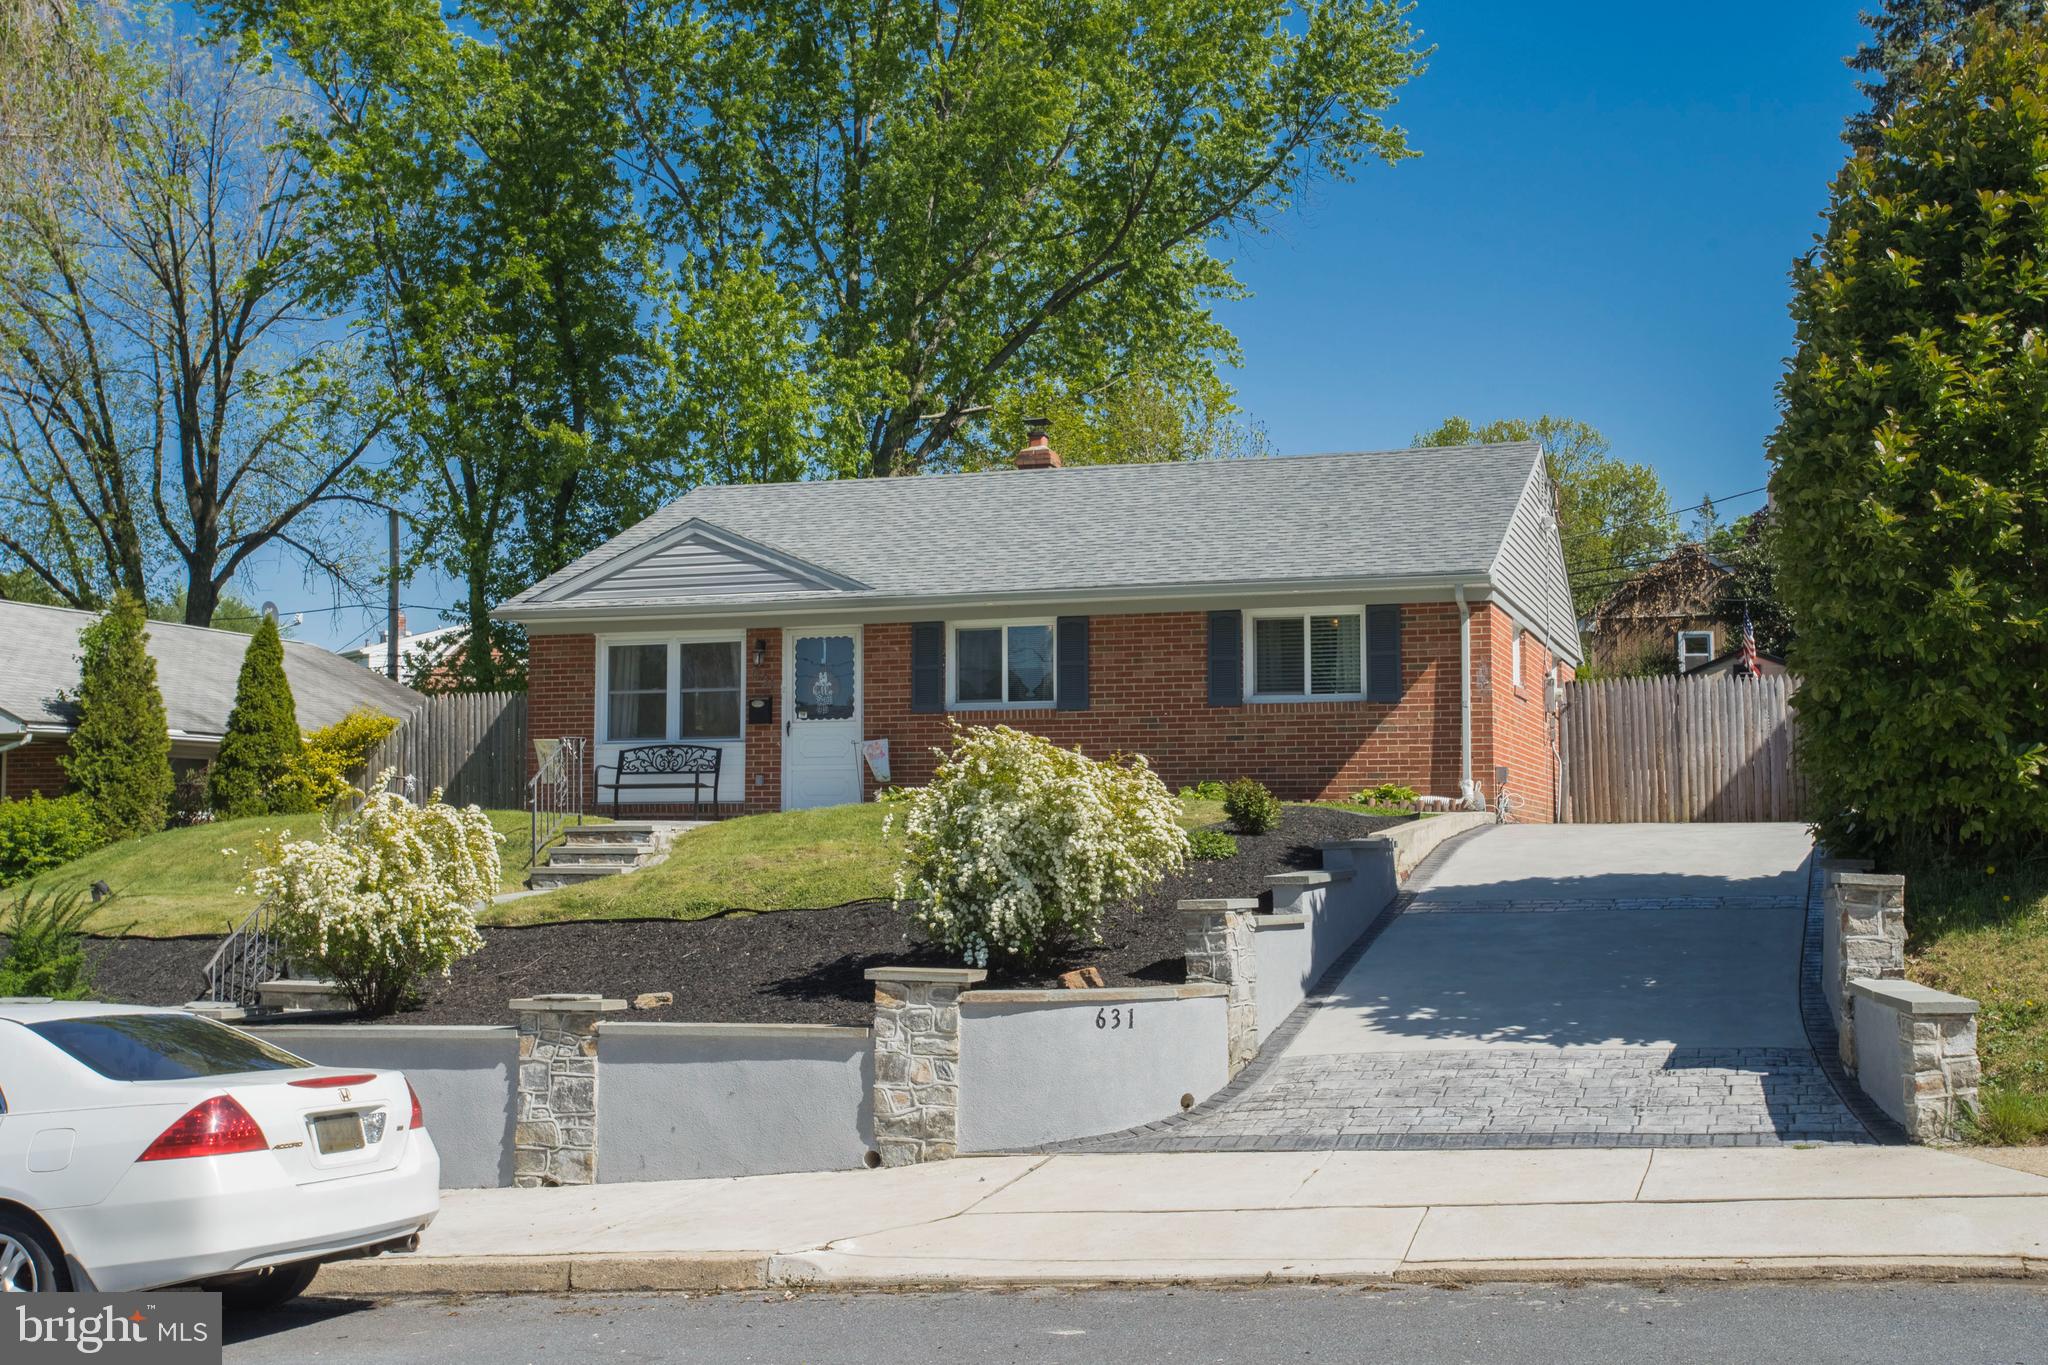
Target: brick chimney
<point>1037,452</point>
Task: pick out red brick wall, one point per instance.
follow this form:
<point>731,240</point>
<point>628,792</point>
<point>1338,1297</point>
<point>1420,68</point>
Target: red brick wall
<point>34,768</point>
<point>764,742</point>
<point>1519,732</point>
<point>1148,690</point>
<point>561,697</point>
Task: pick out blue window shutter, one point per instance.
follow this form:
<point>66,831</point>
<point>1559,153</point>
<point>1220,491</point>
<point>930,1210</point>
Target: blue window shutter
<point>928,666</point>
<point>1072,651</point>
<point>1226,658</point>
<point>1383,653</point>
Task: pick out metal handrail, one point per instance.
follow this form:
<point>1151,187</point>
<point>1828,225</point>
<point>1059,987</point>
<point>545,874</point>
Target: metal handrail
<point>247,958</point>
<point>553,792</point>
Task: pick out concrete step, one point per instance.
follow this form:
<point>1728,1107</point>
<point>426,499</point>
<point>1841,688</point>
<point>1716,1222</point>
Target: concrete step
<point>625,854</point>
<point>293,996</point>
<point>619,832</point>
<point>572,874</point>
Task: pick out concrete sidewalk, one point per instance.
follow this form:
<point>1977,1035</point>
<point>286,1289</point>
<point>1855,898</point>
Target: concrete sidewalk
<point>1245,1217</point>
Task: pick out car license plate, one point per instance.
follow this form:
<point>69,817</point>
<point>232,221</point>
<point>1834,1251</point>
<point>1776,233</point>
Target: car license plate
<point>338,1133</point>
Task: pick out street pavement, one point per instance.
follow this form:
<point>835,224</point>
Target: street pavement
<point>1901,1323</point>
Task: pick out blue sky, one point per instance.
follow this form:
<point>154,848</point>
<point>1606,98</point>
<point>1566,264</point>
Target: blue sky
<point>1609,197</point>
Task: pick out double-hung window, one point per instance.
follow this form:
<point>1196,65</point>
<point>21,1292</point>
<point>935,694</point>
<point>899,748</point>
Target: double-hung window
<point>1695,647</point>
<point>1517,657</point>
<point>672,690</point>
<point>636,696</point>
<point>1313,654</point>
<point>1003,665</point>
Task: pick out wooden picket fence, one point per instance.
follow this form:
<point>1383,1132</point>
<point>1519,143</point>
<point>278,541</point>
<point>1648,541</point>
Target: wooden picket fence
<point>1680,749</point>
<point>472,745</point>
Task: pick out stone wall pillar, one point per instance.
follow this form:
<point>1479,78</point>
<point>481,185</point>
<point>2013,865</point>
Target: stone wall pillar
<point>1866,919</point>
<point>917,1061</point>
<point>1217,937</point>
<point>555,1137</point>
<point>1919,1048</point>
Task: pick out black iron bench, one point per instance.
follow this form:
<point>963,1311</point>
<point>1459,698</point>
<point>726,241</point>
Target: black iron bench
<point>691,767</point>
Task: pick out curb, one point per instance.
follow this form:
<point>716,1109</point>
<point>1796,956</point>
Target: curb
<point>730,1271</point>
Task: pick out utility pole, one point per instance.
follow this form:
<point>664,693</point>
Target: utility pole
<point>391,625</point>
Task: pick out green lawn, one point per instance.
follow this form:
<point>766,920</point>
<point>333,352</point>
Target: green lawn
<point>804,858</point>
<point>795,860</point>
<point>180,881</point>
<point>1983,932</point>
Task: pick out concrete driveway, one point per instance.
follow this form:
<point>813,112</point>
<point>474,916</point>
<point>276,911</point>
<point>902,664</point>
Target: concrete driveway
<point>1559,985</point>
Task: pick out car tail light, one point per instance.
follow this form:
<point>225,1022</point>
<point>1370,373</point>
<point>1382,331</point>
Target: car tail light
<point>215,1127</point>
<point>419,1119</point>
<point>334,1082</point>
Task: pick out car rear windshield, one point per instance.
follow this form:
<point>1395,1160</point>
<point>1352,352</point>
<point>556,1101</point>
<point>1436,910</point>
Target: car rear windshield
<point>162,1047</point>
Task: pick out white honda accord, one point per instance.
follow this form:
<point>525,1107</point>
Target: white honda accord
<point>145,1148</point>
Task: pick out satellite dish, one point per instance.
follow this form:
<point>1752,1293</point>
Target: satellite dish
<point>270,611</point>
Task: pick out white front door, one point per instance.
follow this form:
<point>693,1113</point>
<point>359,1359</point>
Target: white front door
<point>821,717</point>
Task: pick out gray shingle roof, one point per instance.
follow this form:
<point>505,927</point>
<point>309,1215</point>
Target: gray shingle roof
<point>196,671</point>
<point>1403,514</point>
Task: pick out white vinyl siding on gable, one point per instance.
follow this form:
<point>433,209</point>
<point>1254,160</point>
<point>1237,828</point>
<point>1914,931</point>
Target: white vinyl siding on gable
<point>1303,656</point>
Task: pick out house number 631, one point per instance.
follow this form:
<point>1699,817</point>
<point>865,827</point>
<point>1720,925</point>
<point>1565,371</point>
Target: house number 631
<point>1116,1018</point>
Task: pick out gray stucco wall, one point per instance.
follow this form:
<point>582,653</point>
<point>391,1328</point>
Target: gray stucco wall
<point>1035,1066</point>
<point>678,1101</point>
<point>1285,946</point>
<point>464,1076</point>
<point>1883,1067</point>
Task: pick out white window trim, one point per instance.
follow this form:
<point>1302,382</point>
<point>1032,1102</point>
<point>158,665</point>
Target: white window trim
<point>1684,654</point>
<point>1250,648</point>
<point>1516,655</point>
<point>673,723</point>
<point>953,629</point>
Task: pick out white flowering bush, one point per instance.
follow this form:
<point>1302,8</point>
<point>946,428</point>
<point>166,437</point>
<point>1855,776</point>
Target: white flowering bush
<point>1017,845</point>
<point>387,895</point>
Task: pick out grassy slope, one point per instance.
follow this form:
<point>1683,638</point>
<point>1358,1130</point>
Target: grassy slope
<point>806,859</point>
<point>179,881</point>
<point>1984,933</point>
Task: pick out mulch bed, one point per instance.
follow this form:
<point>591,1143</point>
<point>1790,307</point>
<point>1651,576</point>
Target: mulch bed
<point>789,966</point>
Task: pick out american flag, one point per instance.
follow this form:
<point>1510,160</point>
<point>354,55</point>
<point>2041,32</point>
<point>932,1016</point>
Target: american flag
<point>1749,664</point>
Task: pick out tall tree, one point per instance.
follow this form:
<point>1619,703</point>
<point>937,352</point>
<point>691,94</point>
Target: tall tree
<point>1912,470</point>
<point>1613,517</point>
<point>476,214</point>
<point>1914,43</point>
<point>170,405</point>
<point>119,757</point>
<point>957,200</point>
<point>253,773</point>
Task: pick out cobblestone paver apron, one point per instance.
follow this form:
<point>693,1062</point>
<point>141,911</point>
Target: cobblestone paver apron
<point>1516,1095</point>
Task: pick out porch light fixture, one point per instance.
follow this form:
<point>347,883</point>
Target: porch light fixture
<point>760,652</point>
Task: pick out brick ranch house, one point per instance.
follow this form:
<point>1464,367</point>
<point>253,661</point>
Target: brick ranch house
<point>1299,620</point>
<point>196,670</point>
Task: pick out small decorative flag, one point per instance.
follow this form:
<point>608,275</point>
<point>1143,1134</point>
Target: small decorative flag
<point>876,752</point>
<point>1749,664</point>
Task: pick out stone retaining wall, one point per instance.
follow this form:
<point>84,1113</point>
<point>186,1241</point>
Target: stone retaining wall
<point>1910,1048</point>
<point>571,1096</point>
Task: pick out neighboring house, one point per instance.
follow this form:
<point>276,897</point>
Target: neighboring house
<point>431,651</point>
<point>1295,620</point>
<point>196,670</point>
<point>1730,664</point>
<point>1663,619</point>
